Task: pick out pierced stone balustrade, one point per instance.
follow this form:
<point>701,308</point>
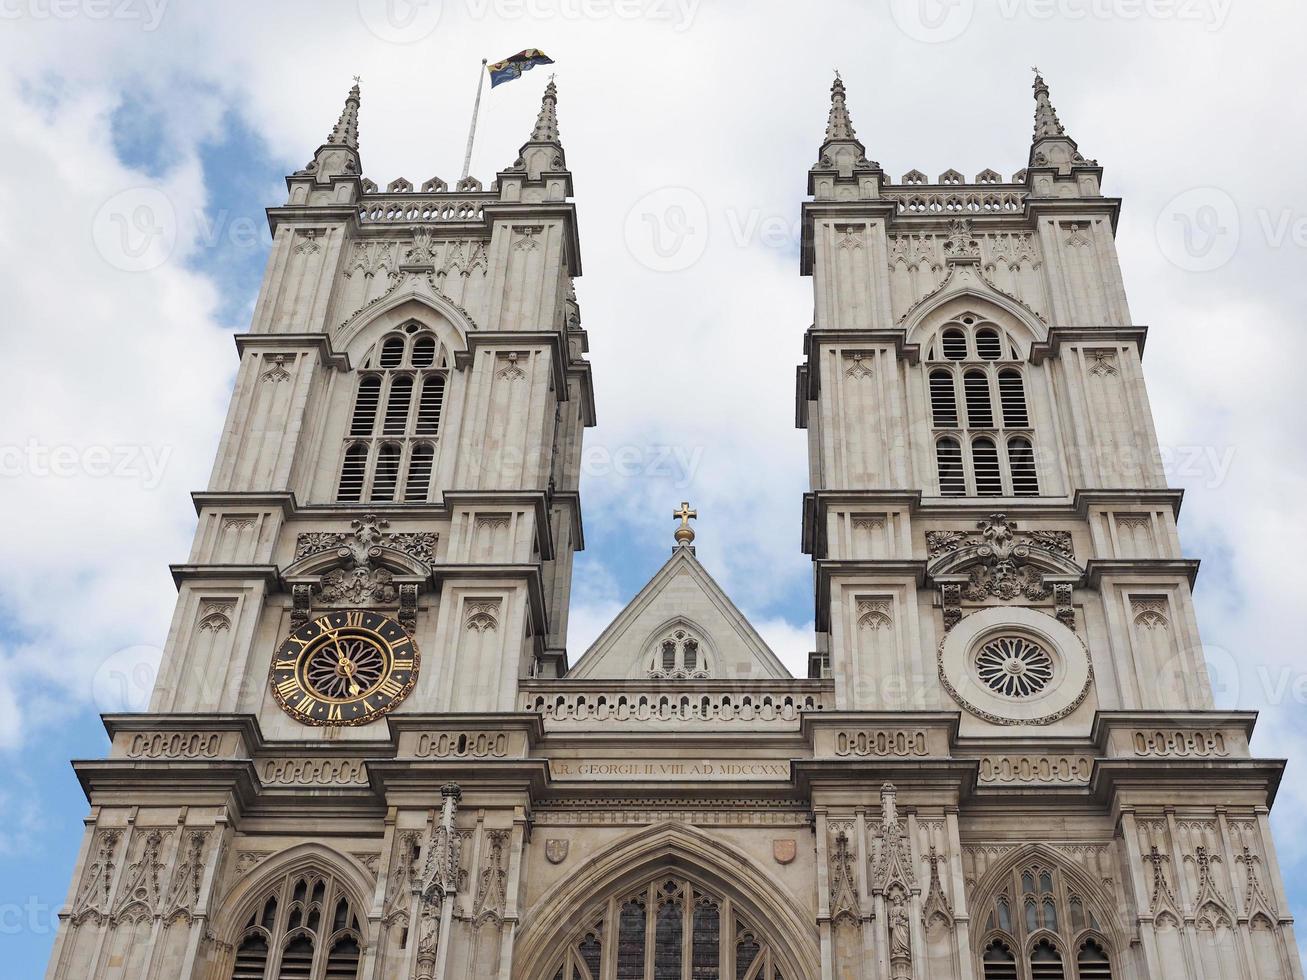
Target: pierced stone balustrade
<point>766,705</point>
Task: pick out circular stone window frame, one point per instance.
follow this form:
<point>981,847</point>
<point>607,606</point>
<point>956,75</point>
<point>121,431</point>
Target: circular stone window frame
<point>1073,673</point>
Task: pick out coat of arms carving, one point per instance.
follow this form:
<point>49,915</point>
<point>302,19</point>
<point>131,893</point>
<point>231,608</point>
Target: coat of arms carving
<point>556,850</point>
<point>784,849</point>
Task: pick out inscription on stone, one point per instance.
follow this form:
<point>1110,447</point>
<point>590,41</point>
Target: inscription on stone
<point>721,769</point>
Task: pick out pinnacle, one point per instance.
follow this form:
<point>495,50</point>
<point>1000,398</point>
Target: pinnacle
<point>839,126</point>
<point>1047,125</point>
<point>546,128</point>
<point>346,131</point>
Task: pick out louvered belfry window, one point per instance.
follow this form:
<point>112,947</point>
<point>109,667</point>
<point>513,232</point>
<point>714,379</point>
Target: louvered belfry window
<point>304,928</point>
<point>984,443</point>
<point>390,450</point>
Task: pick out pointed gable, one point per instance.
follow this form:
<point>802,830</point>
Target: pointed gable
<point>680,625</point>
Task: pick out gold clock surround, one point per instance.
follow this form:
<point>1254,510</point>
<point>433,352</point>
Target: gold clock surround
<point>344,668</point>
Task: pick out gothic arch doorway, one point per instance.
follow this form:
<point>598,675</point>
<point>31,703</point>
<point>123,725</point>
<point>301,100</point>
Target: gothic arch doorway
<point>668,903</point>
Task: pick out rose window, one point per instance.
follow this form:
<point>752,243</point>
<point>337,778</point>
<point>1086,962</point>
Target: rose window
<point>1014,666</point>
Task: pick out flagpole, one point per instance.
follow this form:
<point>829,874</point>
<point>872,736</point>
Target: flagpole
<point>476,109</point>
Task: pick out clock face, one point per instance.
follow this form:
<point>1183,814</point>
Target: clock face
<point>344,668</point>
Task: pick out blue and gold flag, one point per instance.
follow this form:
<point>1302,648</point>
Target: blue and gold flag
<point>512,67</point>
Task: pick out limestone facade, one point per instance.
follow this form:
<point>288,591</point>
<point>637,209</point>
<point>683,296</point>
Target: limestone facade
<point>1004,763</point>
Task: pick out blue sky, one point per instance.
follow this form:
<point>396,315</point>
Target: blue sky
<point>213,112</point>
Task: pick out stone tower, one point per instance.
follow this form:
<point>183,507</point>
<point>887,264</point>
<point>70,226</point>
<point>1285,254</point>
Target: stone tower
<point>997,563</point>
<point>368,756</point>
<point>388,533</point>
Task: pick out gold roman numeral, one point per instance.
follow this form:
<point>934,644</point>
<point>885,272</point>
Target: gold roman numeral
<point>354,618</point>
<point>390,687</point>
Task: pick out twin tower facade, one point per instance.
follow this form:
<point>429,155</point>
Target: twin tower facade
<point>369,756</point>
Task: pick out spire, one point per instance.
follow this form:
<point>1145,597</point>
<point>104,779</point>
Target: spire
<point>1046,122</point>
<point>546,130</point>
<point>842,155</point>
<point>346,132</point>
<point>838,125</point>
<point>543,152</point>
<point>1052,146</point>
<point>339,155</point>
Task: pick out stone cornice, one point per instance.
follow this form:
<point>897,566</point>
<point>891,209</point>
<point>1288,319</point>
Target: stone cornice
<point>816,504</point>
<point>1178,782</point>
<point>560,364</point>
<point>283,501</point>
<point>565,210</point>
<point>213,782</point>
<point>477,573</point>
<point>1085,499</point>
<point>1060,334</point>
<point>827,569</point>
<point>814,339</point>
<point>880,208</point>
<point>537,500</point>
<point>1072,207</point>
<point>288,341</point>
<point>1096,568</point>
<point>1168,721</point>
<point>307,214</point>
<point>267,574</point>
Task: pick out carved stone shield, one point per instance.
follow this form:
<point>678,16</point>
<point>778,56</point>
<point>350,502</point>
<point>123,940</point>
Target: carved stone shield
<point>783,849</point>
<point>556,850</point>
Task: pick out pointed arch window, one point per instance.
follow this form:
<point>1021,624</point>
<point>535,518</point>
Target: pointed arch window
<point>394,428</point>
<point>304,928</point>
<point>1052,919</point>
<point>678,653</point>
<point>669,929</point>
<point>977,385</point>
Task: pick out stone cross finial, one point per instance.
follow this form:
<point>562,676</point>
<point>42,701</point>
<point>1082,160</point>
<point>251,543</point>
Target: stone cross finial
<point>685,534</point>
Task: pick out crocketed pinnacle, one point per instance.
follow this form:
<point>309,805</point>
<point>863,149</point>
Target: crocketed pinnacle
<point>546,129</point>
<point>838,125</point>
<point>346,132</point>
<point>1047,125</point>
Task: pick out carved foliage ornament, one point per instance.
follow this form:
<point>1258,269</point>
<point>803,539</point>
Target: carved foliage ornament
<point>365,541</point>
<point>1000,567</point>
